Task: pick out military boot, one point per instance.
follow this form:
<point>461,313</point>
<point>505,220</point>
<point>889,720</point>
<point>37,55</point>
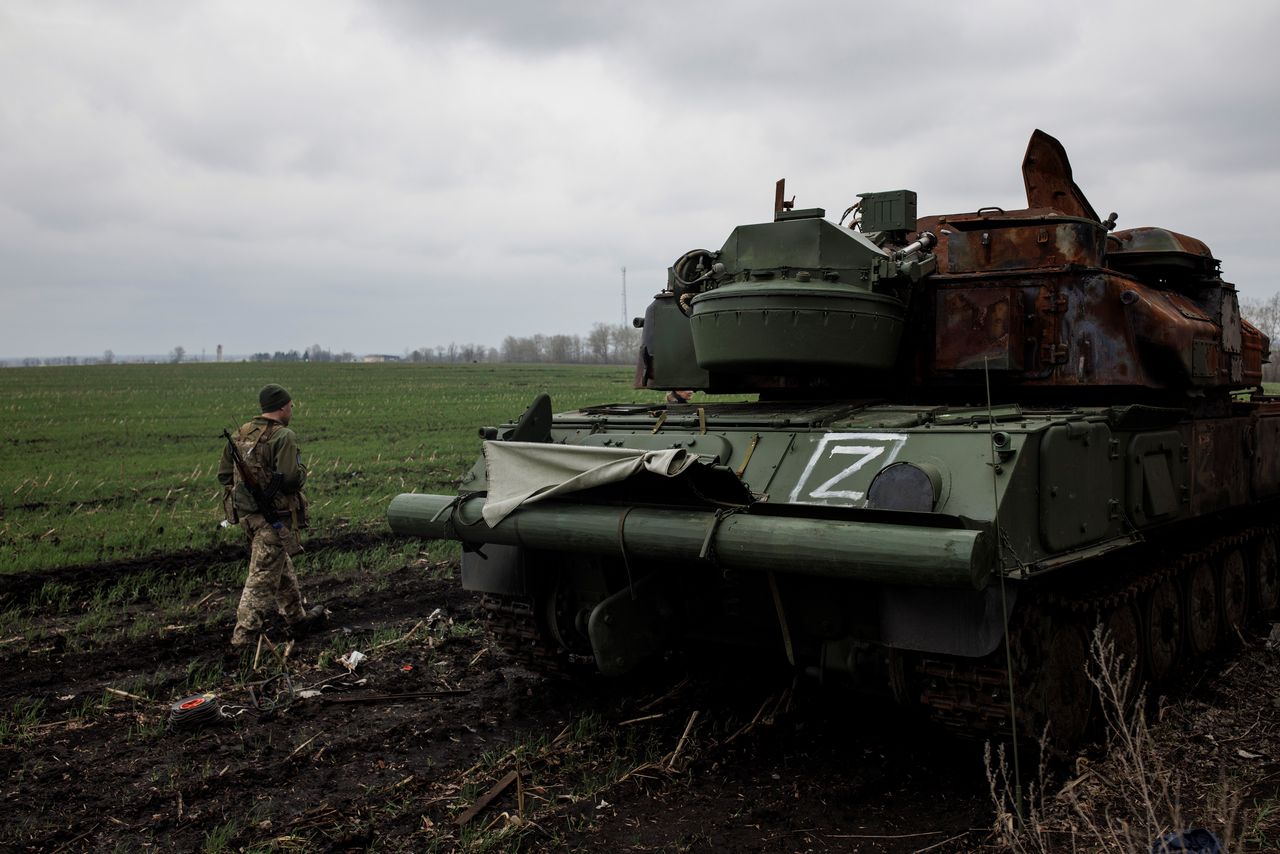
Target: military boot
<point>310,622</point>
<point>233,658</point>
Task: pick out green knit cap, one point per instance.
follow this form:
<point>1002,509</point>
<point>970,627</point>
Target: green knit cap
<point>273,397</point>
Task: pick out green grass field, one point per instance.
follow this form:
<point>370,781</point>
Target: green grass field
<point>119,461</point>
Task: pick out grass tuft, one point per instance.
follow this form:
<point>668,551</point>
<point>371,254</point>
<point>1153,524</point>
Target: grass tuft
<point>18,725</point>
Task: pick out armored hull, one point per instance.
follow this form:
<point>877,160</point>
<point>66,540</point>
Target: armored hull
<point>977,439</point>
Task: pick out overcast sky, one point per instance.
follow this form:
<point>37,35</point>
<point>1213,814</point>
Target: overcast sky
<point>381,176</point>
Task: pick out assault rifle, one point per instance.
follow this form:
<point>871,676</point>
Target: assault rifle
<point>263,498</point>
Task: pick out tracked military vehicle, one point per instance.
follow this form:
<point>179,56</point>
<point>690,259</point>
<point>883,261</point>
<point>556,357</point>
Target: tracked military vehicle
<point>976,437</point>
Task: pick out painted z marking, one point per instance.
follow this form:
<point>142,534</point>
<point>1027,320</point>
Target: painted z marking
<point>867,447</point>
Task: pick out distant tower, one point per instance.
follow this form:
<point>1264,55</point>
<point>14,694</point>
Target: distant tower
<point>219,352</point>
<point>624,296</point>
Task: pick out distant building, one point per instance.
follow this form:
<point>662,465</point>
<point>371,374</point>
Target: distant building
<point>381,357</point>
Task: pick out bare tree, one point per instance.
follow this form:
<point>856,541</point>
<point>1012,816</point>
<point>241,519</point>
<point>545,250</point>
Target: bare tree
<point>624,342</point>
<point>177,354</point>
<point>1265,315</point>
<point>598,343</point>
<point>108,357</point>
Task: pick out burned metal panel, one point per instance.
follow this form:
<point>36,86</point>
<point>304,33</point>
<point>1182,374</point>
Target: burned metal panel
<point>1015,241</point>
<point>1166,327</point>
<point>1046,174</point>
<point>1095,336</point>
<point>980,327</point>
<point>1204,361</point>
<point>1089,328</point>
<point>1220,463</point>
<point>1255,349</point>
<point>1232,334</point>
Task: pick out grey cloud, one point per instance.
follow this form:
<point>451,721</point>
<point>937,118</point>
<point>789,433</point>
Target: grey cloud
<point>537,28</point>
<point>410,173</point>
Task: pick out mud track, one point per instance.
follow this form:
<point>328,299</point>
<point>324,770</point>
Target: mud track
<point>683,758</point>
<point>19,589</point>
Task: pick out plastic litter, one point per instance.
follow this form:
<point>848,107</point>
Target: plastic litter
<point>1197,840</point>
<point>352,659</point>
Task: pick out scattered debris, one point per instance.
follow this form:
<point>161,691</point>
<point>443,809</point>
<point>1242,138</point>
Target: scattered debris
<point>671,762</point>
<point>300,747</point>
<point>126,695</point>
<point>206,598</point>
<point>391,698</point>
<point>400,640</point>
<point>352,660</point>
<point>421,763</point>
<point>631,721</point>
<point>487,798</point>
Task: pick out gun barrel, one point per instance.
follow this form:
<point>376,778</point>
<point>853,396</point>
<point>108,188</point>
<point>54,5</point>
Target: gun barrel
<point>862,551</point>
<point>925,240</point>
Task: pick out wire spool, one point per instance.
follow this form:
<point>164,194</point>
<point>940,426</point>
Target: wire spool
<point>194,711</point>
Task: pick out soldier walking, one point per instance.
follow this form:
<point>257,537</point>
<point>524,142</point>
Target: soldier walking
<point>271,459</point>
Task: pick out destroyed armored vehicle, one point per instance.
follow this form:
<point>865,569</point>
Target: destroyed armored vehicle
<point>977,437</point>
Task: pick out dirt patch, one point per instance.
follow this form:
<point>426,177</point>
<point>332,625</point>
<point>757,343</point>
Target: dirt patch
<point>19,589</point>
<point>677,759</point>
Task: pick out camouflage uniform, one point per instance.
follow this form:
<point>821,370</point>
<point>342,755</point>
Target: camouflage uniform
<point>271,452</point>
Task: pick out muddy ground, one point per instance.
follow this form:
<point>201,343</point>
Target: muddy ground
<point>679,759</point>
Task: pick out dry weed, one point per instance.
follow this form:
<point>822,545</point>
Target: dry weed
<point>1125,802</point>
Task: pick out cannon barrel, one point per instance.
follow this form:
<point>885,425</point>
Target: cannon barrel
<point>857,551</point>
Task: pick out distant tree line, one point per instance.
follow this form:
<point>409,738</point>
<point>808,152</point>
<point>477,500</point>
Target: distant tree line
<point>603,345</point>
<point>452,352</point>
<point>314,353</point>
<point>34,362</point>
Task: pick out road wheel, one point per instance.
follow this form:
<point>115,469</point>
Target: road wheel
<point>1051,674</point>
<point>1202,608</point>
<point>1121,628</point>
<point>1162,625</point>
<point>1267,573</point>
<point>1068,694</point>
<point>1234,595</point>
